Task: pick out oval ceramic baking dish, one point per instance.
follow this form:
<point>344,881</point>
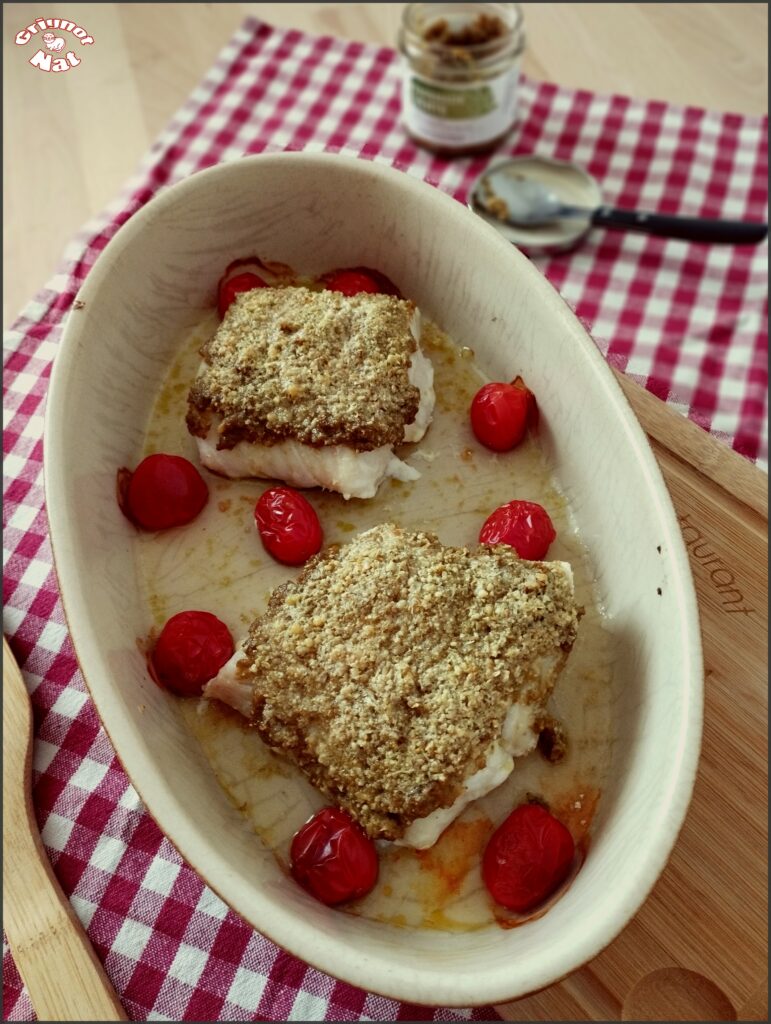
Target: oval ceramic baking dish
<point>156,279</point>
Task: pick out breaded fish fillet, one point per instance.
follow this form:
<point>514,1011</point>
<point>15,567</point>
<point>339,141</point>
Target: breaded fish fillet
<point>403,676</point>
<point>314,388</point>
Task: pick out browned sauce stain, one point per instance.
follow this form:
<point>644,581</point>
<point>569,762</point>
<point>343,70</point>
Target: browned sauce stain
<point>158,608</point>
<point>446,864</point>
<point>230,715</point>
<point>444,868</point>
<point>122,481</point>
<point>576,811</point>
<point>399,920</point>
<point>224,505</point>
<point>145,645</point>
<point>269,769</point>
<point>467,455</point>
<point>438,921</point>
<point>164,403</point>
<point>552,740</point>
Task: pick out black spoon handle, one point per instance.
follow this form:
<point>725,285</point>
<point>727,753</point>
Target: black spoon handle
<point>692,229</point>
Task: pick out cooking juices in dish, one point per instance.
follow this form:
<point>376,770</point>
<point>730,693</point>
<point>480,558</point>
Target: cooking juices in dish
<point>217,562</point>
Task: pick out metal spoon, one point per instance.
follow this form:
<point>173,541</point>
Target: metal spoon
<point>519,199</point>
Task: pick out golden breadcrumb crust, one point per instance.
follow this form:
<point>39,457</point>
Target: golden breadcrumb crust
<point>386,668</point>
<point>318,367</point>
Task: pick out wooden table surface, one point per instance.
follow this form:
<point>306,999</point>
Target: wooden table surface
<point>71,140</point>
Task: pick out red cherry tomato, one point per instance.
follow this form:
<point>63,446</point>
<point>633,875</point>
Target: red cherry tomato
<point>527,858</point>
<point>352,280</point>
<point>501,414</point>
<point>192,648</point>
<point>163,491</point>
<point>524,525</point>
<point>289,527</point>
<point>232,287</point>
<point>332,857</point>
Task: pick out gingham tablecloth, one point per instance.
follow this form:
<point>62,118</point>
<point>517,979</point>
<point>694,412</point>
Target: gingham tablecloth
<point>689,321</point>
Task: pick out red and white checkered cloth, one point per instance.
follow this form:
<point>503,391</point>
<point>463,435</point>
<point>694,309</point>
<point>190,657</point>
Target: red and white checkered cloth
<point>688,320</point>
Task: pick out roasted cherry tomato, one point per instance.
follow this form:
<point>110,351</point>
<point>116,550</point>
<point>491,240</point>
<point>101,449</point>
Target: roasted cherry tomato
<point>527,858</point>
<point>231,287</point>
<point>192,648</point>
<point>352,280</point>
<point>288,525</point>
<point>524,525</point>
<point>333,859</point>
<point>502,413</point>
<point>163,491</point>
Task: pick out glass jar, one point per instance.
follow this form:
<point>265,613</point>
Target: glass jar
<point>460,75</point>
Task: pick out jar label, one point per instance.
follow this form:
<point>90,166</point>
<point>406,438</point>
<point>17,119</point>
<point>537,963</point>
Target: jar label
<point>459,115</point>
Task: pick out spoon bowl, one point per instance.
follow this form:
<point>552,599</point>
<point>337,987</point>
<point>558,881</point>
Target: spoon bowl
<point>513,196</point>
<point>522,180</point>
<point>531,192</point>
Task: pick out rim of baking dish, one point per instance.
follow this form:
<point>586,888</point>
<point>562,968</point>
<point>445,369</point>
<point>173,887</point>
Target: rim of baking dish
<point>331,953</point>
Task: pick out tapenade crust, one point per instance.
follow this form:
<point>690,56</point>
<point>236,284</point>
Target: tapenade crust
<point>316,367</point>
<point>386,668</point>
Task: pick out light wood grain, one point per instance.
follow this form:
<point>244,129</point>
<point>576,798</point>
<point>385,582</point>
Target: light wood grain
<point>707,916</point>
<point>696,447</point>
<point>673,993</point>
<point>73,139</point>
<point>70,145</point>
<point>756,1007</point>
<point>63,976</point>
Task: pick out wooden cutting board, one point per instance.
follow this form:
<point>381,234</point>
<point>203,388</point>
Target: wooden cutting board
<point>698,948</point>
